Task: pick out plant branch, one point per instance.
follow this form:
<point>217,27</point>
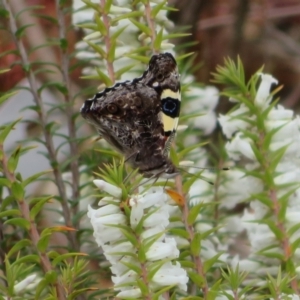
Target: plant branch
<point>107,40</point>
<point>43,120</point>
<point>190,230</point>
<point>33,232</point>
<point>68,98</point>
<point>150,23</point>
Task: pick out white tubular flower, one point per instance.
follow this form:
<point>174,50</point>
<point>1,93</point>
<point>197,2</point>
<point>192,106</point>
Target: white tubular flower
<point>263,97</point>
<point>108,188</point>
<point>203,101</point>
<point>30,282</point>
<point>233,122</point>
<point>240,146</point>
<point>260,236</point>
<point>146,210</point>
<point>170,274</point>
<point>130,293</point>
<point>161,250</point>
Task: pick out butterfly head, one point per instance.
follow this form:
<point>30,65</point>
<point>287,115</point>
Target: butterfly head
<point>162,72</point>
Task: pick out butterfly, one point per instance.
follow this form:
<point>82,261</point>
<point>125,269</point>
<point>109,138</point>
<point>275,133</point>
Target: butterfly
<point>139,117</point>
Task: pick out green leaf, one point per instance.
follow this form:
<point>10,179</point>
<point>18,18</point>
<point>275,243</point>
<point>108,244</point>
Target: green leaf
<point>60,86</point>
<point>112,51</point>
<point>186,150</point>
<point>34,177</point>
<point>154,268</point>
<point>293,229</point>
<point>130,237</point>
<point>100,25</point>
<point>157,8</point>
<point>9,200</point>
<point>29,7</point>
<point>133,14</point>
<point>273,227</point>
<point>295,245</point>
<point>5,182</point>
<point>143,287</point>
<point>142,254</point>
<point>7,96</point>
<point>196,278</point>
<point>107,6</point>
<point>7,128</point>
<point>194,213</point>
<point>19,222</point>
<point>195,298</point>
<point>123,70</point>
<point>116,34</point>
<point>179,232</point>
<point>13,160</point>
<point>20,245</point>
<point>142,27</point>
<point>196,244</point>
<point>98,49</point>
<point>10,213</point>
<point>107,81</point>
<point>132,267</point>
<point>17,191</point>
<point>210,262</point>
<point>4,13</point>
<point>158,40</point>
<point>187,264</point>
<point>65,257</point>
<point>38,206</point>
<point>32,258</point>
<point>41,288</point>
<point>43,242</point>
<point>20,32</point>
<point>63,44</point>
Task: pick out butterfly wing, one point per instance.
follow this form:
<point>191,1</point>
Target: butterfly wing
<point>162,75</point>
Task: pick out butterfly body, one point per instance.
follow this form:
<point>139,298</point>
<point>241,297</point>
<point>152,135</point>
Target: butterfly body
<point>130,116</point>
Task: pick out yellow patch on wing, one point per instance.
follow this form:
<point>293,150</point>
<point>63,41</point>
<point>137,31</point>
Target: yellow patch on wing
<point>169,123</point>
<point>169,93</point>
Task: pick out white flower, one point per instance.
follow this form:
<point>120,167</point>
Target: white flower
<point>170,274</point>
<point>152,209</point>
<point>108,188</point>
<point>161,250</point>
<point>260,236</point>
<point>30,282</point>
<point>130,293</point>
<point>237,187</point>
<point>206,123</point>
<point>233,121</point>
<point>263,97</point>
<point>103,232</point>
<point>240,146</point>
<point>245,265</point>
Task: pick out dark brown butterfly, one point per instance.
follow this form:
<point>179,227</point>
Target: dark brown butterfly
<point>139,117</point>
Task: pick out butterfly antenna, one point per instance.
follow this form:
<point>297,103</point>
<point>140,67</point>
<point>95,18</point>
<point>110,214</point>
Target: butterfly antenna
<point>207,168</point>
<point>200,177</point>
<point>142,183</point>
